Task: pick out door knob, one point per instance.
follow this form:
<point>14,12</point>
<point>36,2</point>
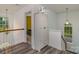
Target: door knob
<point>44,27</point>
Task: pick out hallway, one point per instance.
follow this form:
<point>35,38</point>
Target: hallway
<point>39,26</point>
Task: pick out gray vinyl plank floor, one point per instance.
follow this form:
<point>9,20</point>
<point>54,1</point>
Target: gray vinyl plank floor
<point>25,48</point>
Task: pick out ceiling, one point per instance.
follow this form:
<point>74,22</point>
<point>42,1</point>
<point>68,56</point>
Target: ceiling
<point>54,7</point>
<point>62,7</point>
<point>11,7</point>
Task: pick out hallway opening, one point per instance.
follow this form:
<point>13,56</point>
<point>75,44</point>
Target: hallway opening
<point>28,27</point>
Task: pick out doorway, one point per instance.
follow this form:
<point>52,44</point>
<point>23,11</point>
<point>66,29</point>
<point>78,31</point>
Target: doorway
<point>28,28</point>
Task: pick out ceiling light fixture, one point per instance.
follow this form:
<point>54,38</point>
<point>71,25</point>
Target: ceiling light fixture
<point>43,10</point>
<point>6,19</point>
<point>6,12</point>
<point>67,21</point>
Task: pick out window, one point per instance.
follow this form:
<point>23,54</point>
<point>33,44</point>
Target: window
<point>3,23</point>
<point>68,30</point>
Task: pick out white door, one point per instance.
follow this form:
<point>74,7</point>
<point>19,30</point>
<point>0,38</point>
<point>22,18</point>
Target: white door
<point>41,33</point>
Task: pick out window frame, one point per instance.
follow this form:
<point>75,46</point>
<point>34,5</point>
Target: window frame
<point>68,30</point>
<point>3,23</point>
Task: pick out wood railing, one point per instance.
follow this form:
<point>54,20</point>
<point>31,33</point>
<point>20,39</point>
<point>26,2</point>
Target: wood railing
<point>7,30</point>
<point>65,42</point>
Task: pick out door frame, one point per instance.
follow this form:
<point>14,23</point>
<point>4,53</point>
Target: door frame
<point>33,13</point>
<point>27,14</point>
<point>32,28</point>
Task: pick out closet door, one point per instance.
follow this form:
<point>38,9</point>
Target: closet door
<point>41,33</point>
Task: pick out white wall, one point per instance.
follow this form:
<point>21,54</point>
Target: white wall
<point>74,20</point>
<point>51,20</point>
<point>55,40</point>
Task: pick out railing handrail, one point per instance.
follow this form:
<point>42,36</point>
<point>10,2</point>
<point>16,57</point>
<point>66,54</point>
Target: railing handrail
<point>66,45</point>
<point>64,42</point>
<point>6,30</point>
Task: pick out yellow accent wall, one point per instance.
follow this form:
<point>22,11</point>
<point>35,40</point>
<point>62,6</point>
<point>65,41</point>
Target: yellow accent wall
<point>28,21</point>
